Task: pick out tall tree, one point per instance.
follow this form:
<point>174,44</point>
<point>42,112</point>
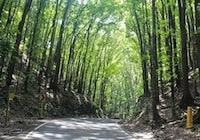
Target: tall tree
<point>143,55</point>
<point>1,7</point>
<point>197,42</point>
<point>14,56</point>
<point>187,98</point>
<point>59,44</point>
<point>48,72</point>
<point>154,67</point>
<point>32,43</point>
<point>171,43</point>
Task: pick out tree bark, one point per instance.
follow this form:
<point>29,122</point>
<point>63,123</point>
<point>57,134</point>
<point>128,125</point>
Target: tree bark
<point>15,51</point>
<point>1,7</point>
<point>48,72</point>
<point>59,45</point>
<point>171,64</point>
<point>154,75</point>
<point>32,45</point>
<point>197,42</point>
<point>143,57</point>
<point>186,98</point>
<point>83,72</point>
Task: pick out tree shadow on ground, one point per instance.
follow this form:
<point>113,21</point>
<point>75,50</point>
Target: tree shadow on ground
<point>80,129</point>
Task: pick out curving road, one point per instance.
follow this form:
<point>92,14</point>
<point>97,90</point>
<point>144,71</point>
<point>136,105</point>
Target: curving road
<point>79,129</point>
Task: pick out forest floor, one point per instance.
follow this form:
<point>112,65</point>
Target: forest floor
<point>167,131</point>
<point>170,129</point>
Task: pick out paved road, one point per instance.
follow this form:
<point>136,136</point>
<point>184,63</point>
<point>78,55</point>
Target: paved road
<point>79,129</point>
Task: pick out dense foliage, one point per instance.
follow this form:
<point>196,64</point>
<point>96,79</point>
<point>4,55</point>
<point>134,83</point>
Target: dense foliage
<point>110,51</point>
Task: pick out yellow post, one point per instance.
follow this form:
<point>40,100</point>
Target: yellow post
<point>189,121</point>
<point>42,109</point>
<point>10,97</point>
<point>42,98</point>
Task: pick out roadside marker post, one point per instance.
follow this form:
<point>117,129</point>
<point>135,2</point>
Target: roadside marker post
<point>189,120</point>
<point>42,98</point>
<point>10,97</point>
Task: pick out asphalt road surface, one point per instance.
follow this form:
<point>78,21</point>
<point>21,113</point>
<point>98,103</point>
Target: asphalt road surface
<point>79,129</point>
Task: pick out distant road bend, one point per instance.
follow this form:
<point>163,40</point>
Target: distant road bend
<point>79,129</point>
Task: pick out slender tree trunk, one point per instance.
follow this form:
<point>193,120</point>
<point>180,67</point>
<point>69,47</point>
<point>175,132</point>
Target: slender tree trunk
<point>41,77</point>
<point>160,63</point>
<point>143,57</point>
<point>70,62</point>
<point>102,93</point>
<point>96,76</point>
<point>1,7</point>
<point>13,8</point>
<point>48,72</point>
<point>177,79</point>
<point>197,42</point>
<point>171,64</point>
<point>28,71</point>
<point>15,51</point>
<point>4,53</point>
<point>187,98</point>
<point>154,75</point>
<point>90,82</point>
<point>32,44</point>
<point>59,45</point>
<point>147,43</point>
<point>91,57</point>
<point>72,76</point>
<point>81,82</point>
<point>189,43</point>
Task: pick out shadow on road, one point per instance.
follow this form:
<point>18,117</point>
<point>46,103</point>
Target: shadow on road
<point>79,129</point>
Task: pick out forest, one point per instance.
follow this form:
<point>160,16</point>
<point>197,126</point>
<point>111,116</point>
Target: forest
<point>114,58</point>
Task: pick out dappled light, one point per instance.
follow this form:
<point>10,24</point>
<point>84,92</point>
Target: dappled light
<point>137,61</point>
<point>79,129</point>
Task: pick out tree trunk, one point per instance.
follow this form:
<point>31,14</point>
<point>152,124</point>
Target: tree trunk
<point>160,63</point>
<point>81,80</point>
<point>12,13</point>
<point>154,75</point>
<point>32,45</point>
<point>197,42</point>
<point>171,64</point>
<point>177,79</point>
<point>1,7</point>
<point>143,57</point>
<point>59,46</point>
<point>41,77</point>
<point>15,51</point>
<point>189,43</point>
<point>48,72</point>
<point>186,98</point>
<point>96,75</point>
<point>70,62</point>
